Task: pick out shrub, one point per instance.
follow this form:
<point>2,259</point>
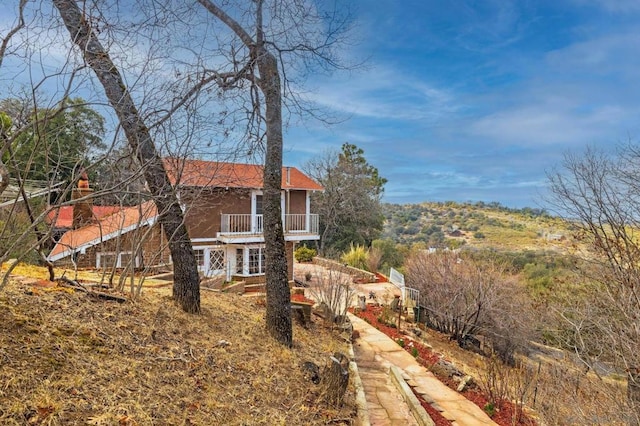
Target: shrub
<point>400,342</point>
<point>490,409</point>
<point>356,257</point>
<point>304,254</point>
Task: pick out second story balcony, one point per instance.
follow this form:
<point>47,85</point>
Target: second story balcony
<point>236,227</point>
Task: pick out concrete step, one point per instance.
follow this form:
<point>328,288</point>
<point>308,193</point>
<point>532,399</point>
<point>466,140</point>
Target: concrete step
<point>255,288</point>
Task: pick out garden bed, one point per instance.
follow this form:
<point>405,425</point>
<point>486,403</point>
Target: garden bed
<point>503,413</point>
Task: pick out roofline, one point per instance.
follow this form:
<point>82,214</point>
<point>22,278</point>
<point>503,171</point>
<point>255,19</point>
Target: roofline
<point>289,188</point>
<point>68,252</point>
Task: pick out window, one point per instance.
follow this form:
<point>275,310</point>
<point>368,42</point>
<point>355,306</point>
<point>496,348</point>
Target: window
<point>239,261</point>
<point>199,255</point>
<point>125,260</point>
<point>256,261</point>
<point>258,204</point>
<point>107,260</point>
<point>216,259</point>
<point>117,260</point>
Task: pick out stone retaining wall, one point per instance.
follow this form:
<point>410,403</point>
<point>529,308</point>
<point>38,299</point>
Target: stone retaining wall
<point>355,273</point>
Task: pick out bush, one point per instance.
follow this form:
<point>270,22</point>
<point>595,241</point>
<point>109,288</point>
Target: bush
<point>304,254</point>
<point>490,409</point>
<point>356,257</point>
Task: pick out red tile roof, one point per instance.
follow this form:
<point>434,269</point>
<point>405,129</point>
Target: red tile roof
<point>107,227</point>
<point>215,174</point>
<point>63,216</point>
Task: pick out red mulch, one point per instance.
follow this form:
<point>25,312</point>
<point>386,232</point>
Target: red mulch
<point>505,412</point>
<point>301,298</point>
<point>381,278</point>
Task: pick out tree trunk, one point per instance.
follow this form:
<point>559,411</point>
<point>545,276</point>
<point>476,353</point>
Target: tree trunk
<point>186,287</point>
<point>278,296</point>
<point>335,378</point>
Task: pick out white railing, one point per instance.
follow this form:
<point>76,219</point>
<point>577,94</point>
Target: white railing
<point>301,223</point>
<point>248,224</point>
<point>241,224</point>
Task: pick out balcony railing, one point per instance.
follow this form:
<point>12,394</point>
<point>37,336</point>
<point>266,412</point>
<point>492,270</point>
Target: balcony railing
<point>247,224</point>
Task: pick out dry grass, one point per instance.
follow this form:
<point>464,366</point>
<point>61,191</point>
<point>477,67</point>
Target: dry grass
<point>67,359</point>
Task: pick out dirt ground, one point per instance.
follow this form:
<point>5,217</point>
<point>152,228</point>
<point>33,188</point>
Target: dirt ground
<point>67,358</point>
<point>384,291</point>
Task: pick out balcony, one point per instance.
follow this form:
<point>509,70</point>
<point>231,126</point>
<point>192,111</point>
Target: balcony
<point>249,227</point>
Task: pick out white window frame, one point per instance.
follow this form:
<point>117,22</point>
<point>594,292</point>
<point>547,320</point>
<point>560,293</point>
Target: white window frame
<point>137,260</point>
<point>205,266</point>
<point>245,260</point>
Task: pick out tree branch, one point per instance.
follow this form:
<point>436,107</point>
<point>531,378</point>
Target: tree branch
<point>13,31</point>
<point>229,21</point>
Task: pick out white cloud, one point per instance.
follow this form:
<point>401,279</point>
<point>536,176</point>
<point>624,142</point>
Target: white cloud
<point>385,93</point>
<point>540,125</point>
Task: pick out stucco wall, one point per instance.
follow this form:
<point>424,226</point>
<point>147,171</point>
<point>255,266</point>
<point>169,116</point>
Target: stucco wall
<point>205,207</point>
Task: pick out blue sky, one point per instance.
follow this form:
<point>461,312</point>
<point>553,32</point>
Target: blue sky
<point>463,100</point>
<point>477,100</point>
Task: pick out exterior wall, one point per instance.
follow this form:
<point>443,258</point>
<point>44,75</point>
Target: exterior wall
<point>297,202</point>
<point>153,249</point>
<point>205,207</point>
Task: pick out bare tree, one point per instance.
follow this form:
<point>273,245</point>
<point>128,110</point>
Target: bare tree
<point>270,32</point>
<point>179,79</point>
<point>334,289</point>
<point>600,195</point>
<point>5,121</point>
<point>464,297</point>
<point>186,289</point>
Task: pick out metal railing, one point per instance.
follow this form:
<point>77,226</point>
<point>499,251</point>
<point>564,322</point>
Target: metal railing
<point>248,224</point>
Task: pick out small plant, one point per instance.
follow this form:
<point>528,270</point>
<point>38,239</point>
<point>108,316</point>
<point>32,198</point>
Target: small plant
<point>414,352</point>
<point>490,409</point>
<point>386,317</point>
<point>494,381</point>
<point>400,342</point>
<point>304,254</point>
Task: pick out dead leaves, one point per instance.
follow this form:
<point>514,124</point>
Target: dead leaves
<point>107,419</point>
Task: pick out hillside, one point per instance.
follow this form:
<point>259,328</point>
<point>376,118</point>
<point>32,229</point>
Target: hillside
<point>477,225</point>
<point>66,359</point>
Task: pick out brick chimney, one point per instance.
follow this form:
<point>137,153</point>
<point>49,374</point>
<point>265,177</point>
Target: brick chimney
<point>82,210</point>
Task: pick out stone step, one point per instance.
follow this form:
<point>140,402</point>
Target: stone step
<point>255,288</point>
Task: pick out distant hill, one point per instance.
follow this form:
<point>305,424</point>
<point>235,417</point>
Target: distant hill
<point>476,225</point>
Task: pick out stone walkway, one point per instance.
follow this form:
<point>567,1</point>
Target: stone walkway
<point>385,405</point>
<point>375,353</point>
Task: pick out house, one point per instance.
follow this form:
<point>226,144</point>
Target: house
<point>222,203</point>
<point>60,220</point>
